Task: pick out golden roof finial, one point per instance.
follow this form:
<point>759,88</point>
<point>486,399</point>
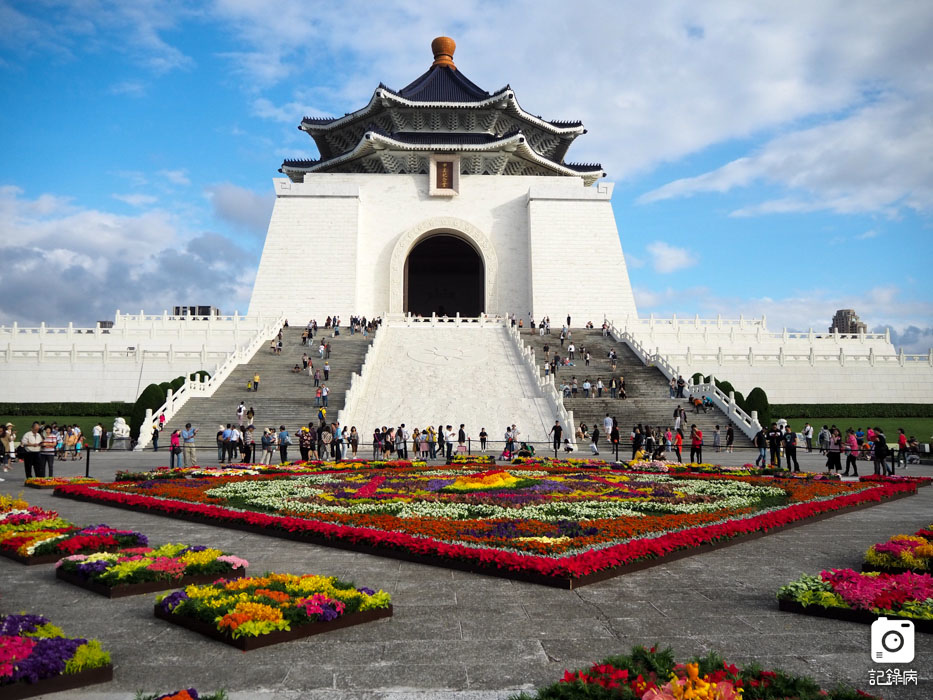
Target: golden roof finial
<point>443,48</point>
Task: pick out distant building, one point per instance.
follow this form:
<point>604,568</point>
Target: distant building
<point>846,321</point>
<point>200,311</point>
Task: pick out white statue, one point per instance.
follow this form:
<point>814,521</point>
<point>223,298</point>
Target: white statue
<point>120,428</point>
<point>782,424</point>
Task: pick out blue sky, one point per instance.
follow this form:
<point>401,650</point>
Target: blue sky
<point>770,158</point>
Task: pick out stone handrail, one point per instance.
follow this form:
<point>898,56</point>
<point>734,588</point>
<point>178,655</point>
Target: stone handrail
<point>359,383</point>
<point>409,321</point>
<point>192,388</point>
<point>545,384</point>
<point>747,423</point>
<point>752,358</point>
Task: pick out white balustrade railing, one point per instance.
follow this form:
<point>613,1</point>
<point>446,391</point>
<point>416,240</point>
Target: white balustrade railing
<point>545,384</point>
<point>685,327</point>
<point>409,321</point>
<point>199,388</point>
<point>127,326</point>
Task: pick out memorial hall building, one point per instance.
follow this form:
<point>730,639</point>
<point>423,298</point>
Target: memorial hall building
<point>442,198</point>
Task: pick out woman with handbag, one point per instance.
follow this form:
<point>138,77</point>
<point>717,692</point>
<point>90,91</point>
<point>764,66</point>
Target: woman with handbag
<point>175,442</point>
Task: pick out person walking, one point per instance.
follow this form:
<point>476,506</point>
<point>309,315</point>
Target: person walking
<point>187,444</point>
<point>717,439</point>
<point>354,441</point>
<point>761,442</point>
<point>851,446</point>
<point>556,431</point>
<point>881,451</point>
<point>679,444</point>
<point>775,438</point>
<point>594,440</point>
<point>326,371</point>
<point>249,445</point>
<point>324,392</point>
<point>449,437</point>
<point>834,452</point>
<point>730,438</point>
<point>240,412</point>
<point>32,446</point>
<point>256,382</point>
<point>790,448</point>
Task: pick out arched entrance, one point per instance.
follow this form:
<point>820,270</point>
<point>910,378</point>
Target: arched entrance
<point>444,275</point>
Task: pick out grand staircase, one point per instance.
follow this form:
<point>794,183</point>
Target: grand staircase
<point>648,401</point>
<point>284,398</point>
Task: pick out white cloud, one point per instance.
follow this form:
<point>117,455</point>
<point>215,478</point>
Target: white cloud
<point>176,177</point>
<point>130,88</point>
<point>868,234</point>
<point>136,200</point>
<point>65,263</point>
<point>869,161</point>
<point>289,113</point>
<point>666,258</point>
<point>245,209</point>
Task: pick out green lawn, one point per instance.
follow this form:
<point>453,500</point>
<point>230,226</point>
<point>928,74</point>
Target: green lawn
<point>86,423</point>
<point>921,428</point>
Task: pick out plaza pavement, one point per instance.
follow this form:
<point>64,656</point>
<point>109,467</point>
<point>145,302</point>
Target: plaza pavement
<point>470,637</point>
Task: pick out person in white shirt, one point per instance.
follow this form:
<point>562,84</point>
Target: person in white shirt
<point>32,443</point>
<point>607,425</point>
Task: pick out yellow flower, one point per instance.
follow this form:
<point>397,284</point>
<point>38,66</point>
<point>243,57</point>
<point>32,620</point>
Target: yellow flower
<point>205,556</point>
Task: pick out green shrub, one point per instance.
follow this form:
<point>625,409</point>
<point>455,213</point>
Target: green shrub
<point>110,408</point>
<point>758,401</point>
<point>698,378</point>
<point>854,410</point>
<point>177,383</point>
<point>152,397</point>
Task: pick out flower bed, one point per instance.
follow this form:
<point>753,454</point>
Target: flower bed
<point>36,658</point>
<point>50,482</point>
<point>50,543</point>
<point>146,570</point>
<point>649,674</point>
<point>185,694</point>
<point>901,553</point>
<point>255,612</point>
<point>553,524</point>
<point>849,595</point>
<point>309,467</point>
<point>879,479</point>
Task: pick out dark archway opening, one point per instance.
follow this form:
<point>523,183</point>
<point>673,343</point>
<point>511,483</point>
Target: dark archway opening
<point>444,275</point>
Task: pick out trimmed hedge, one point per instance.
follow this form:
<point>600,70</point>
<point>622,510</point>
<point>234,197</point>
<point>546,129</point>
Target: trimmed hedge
<point>758,401</point>
<point>853,410</point>
<point>111,408</point>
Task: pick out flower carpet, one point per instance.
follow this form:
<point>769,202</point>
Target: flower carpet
<point>254,612</point>
<point>850,595</point>
<point>36,658</point>
<point>184,694</point>
<point>650,674</point>
<point>550,523</point>
<point>145,570</point>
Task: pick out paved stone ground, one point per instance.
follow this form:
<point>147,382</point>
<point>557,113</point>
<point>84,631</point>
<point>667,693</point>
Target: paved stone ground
<point>470,637</point>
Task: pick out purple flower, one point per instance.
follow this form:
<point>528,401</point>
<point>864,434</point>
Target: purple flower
<point>328,613</point>
<point>367,591</point>
<point>90,568</point>
<point>16,625</point>
<point>47,659</point>
<point>172,601</point>
<point>191,691</point>
<point>438,484</point>
<point>192,548</point>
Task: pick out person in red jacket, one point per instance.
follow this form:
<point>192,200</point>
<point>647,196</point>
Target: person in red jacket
<point>696,444</point>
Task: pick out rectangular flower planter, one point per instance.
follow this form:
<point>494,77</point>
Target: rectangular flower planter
<point>69,681</point>
<point>124,590</point>
<point>32,561</point>
<point>865,617</point>
<point>278,637</point>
